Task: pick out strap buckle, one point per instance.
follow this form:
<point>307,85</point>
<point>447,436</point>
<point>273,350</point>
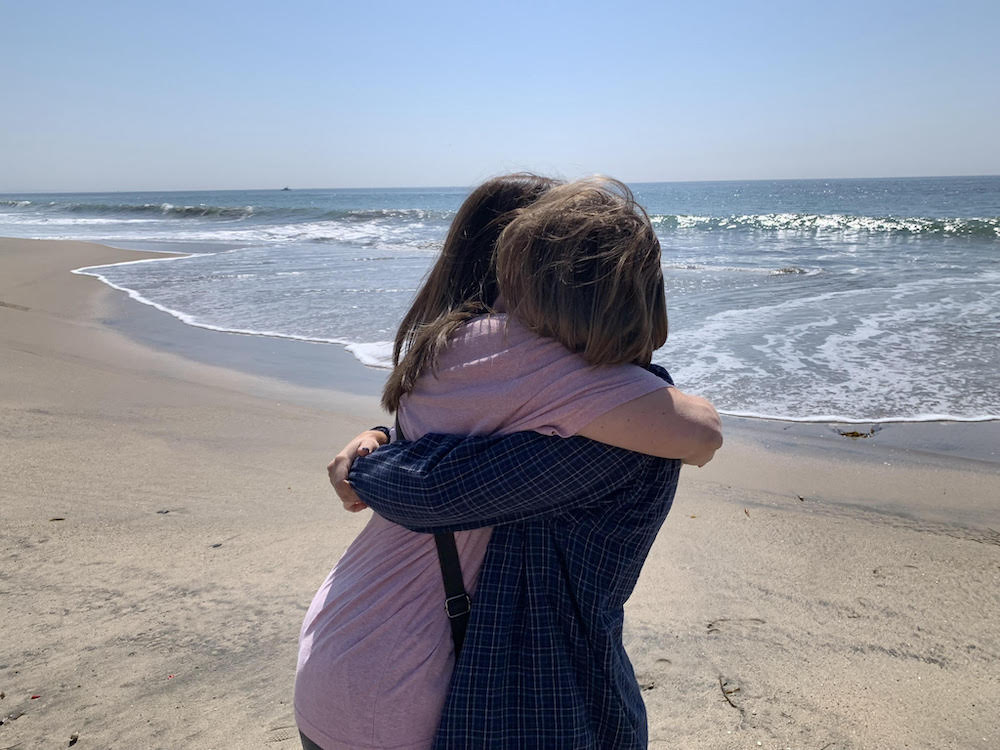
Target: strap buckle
<point>453,605</point>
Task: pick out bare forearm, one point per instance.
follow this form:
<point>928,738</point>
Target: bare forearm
<point>666,423</point>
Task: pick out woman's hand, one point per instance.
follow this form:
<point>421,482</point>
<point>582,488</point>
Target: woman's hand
<point>339,467</point>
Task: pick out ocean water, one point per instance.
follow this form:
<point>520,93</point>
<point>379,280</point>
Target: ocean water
<point>815,300</point>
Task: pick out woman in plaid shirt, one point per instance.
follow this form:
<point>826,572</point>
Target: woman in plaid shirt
<point>551,286</point>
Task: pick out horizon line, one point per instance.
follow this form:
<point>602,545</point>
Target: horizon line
<point>288,188</point>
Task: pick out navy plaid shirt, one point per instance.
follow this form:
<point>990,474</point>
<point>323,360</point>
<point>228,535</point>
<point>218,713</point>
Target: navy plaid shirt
<point>543,663</point>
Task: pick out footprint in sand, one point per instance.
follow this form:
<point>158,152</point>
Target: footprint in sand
<point>284,733</point>
<point>733,624</point>
<point>895,572</point>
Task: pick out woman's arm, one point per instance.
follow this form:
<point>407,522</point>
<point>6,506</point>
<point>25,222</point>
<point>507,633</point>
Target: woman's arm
<point>451,482</point>
<point>666,423</point>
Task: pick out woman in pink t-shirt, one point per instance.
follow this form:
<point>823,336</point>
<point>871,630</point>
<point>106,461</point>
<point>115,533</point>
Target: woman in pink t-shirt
<point>375,649</point>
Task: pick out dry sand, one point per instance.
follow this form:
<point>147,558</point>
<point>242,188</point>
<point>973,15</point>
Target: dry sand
<point>165,522</point>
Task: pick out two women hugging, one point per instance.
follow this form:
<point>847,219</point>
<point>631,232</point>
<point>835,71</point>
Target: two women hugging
<point>537,432</point>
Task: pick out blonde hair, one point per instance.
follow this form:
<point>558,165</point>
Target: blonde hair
<point>582,265</point>
<point>462,283</point>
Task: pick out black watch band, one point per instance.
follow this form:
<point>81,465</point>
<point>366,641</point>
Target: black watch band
<point>384,430</point>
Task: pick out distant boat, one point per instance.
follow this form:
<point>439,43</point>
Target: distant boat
<point>286,188</point>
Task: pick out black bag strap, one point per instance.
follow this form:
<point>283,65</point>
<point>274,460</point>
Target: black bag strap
<point>457,603</point>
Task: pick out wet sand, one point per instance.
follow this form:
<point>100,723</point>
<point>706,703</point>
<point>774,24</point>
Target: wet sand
<point>166,520</point>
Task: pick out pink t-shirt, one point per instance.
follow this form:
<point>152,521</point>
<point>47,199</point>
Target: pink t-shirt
<point>375,651</point>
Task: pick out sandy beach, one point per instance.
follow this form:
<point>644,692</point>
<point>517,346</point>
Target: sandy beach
<point>166,518</point>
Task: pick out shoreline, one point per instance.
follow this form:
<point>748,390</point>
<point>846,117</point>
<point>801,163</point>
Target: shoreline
<point>295,361</point>
<point>308,363</point>
<point>167,519</point>
<point>314,370</point>
<point>855,424</point>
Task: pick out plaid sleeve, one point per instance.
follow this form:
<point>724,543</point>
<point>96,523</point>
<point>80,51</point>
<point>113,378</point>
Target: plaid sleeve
<point>661,373</point>
<point>452,483</point>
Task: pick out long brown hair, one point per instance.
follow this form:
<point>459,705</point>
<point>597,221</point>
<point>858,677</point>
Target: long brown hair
<point>582,266</point>
<point>462,283</point>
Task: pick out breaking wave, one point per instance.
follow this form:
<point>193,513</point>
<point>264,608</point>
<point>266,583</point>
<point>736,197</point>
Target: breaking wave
<point>833,223</point>
<point>206,211</point>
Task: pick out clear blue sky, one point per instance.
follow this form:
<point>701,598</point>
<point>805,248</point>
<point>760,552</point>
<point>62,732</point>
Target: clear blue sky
<point>99,95</point>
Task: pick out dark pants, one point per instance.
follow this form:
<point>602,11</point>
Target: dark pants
<point>308,744</point>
